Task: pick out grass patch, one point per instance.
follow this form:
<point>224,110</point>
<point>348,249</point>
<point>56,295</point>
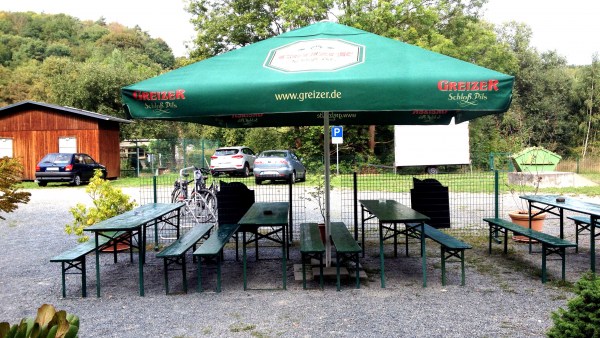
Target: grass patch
<point>241,327</point>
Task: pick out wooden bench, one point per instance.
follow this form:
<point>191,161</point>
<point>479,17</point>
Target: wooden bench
<point>311,246</point>
<point>74,258</point>
<point>346,248</point>
<point>582,223</point>
<point>450,247</point>
<point>550,244</point>
<point>213,247</point>
<point>175,252</point>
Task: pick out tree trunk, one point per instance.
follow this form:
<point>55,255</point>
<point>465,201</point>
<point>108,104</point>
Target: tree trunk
<point>589,124</point>
<point>372,138</point>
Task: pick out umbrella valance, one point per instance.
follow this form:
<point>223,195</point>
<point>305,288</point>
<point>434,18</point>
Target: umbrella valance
<point>359,77</point>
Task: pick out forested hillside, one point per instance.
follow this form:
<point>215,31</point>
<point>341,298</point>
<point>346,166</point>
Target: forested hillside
<point>63,60</point>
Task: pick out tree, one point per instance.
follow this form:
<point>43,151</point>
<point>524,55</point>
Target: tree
<point>582,316</point>
<point>10,177</point>
<point>590,93</point>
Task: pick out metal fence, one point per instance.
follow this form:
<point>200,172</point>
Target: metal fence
<point>472,196</point>
<point>473,193</point>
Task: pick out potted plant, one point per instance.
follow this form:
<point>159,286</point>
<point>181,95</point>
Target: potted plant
<point>317,195</point>
<point>523,184</point>
<point>108,201</point>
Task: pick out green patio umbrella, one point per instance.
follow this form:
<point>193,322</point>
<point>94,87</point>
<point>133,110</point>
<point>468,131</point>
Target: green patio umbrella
<point>357,77</point>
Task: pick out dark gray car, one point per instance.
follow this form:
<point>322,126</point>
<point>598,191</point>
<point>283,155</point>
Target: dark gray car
<point>66,167</point>
<point>278,165</point>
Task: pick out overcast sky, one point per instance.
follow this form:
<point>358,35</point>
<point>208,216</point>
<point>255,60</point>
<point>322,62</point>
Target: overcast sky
<point>572,28</point>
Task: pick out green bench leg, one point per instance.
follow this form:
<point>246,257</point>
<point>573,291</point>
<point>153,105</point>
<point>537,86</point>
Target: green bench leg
<point>321,270</point>
<point>491,228</point>
<point>462,267</point>
<point>199,286</point>
<point>544,263</point>
<point>381,257</point>
<point>184,269</point>
<point>395,240</point>
<point>219,271</point>
<point>166,265</point>
<point>357,273</point>
<point>83,278</point>
<point>64,283</point>
<point>303,272</point>
<point>337,271</point>
<point>563,256</point>
<point>443,265</point>
<point>244,259</point>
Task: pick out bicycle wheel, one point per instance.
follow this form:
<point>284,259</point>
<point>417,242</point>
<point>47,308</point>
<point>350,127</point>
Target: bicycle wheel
<point>167,231</point>
<point>205,206</point>
<point>177,196</point>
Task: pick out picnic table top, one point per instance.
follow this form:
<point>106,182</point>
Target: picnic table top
<point>392,211</point>
<point>136,217</point>
<point>572,204</point>
<point>266,213</point>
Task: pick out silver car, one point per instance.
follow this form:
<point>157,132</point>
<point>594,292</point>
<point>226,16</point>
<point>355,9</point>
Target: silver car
<point>278,165</point>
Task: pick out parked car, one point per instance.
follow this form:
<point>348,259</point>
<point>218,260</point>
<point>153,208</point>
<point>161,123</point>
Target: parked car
<point>74,168</point>
<point>278,165</point>
<point>232,160</point>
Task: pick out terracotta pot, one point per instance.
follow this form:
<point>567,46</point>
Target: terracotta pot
<point>322,231</point>
<point>521,217</point>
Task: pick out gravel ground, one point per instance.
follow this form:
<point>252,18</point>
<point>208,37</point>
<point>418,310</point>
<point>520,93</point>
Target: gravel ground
<point>503,296</point>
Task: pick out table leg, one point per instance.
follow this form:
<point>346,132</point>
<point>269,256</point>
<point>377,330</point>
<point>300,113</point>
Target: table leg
<point>362,233</point>
<point>244,258</point>
<point>141,253</point>
<point>395,240</point>
<point>593,220</point>
<point>424,258</point>
<point>381,264</point>
<point>284,257</point>
<point>97,266</point>
<point>530,220</point>
<point>560,217</point>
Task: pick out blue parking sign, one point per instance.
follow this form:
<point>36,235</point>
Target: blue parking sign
<point>337,131</point>
<point>337,135</point>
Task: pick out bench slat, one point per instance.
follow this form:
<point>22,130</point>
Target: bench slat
<point>583,219</point>
<point>217,240</point>
<point>342,239</point>
<point>185,242</point>
<point>539,236</point>
<point>440,237</point>
<point>85,248</point>
<point>310,238</point>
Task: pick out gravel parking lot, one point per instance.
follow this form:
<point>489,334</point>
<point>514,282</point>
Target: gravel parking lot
<point>503,295</point>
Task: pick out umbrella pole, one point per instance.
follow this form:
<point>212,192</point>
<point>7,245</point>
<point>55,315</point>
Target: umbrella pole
<point>327,188</point>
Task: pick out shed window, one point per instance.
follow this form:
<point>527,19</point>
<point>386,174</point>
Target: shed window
<point>6,147</point>
<point>67,144</point>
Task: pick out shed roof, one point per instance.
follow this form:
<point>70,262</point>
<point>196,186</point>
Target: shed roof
<point>22,104</point>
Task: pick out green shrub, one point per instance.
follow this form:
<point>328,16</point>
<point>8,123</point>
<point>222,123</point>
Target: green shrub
<point>582,317</point>
<point>48,323</point>
<point>10,178</point>
<point>108,202</point>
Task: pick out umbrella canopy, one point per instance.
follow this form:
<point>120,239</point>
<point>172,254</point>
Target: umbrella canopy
<point>290,79</point>
<point>356,77</point>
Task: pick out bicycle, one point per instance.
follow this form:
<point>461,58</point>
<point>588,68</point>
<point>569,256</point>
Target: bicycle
<point>200,202</point>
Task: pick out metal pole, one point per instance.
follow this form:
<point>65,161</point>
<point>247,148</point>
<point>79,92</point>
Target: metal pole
<point>337,158</point>
<point>496,194</point>
<point>326,137</point>
<point>137,160</point>
<point>154,187</point>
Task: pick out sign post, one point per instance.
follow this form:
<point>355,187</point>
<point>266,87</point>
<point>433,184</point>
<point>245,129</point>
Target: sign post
<point>337,137</point>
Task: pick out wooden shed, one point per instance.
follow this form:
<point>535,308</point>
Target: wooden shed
<point>29,130</point>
